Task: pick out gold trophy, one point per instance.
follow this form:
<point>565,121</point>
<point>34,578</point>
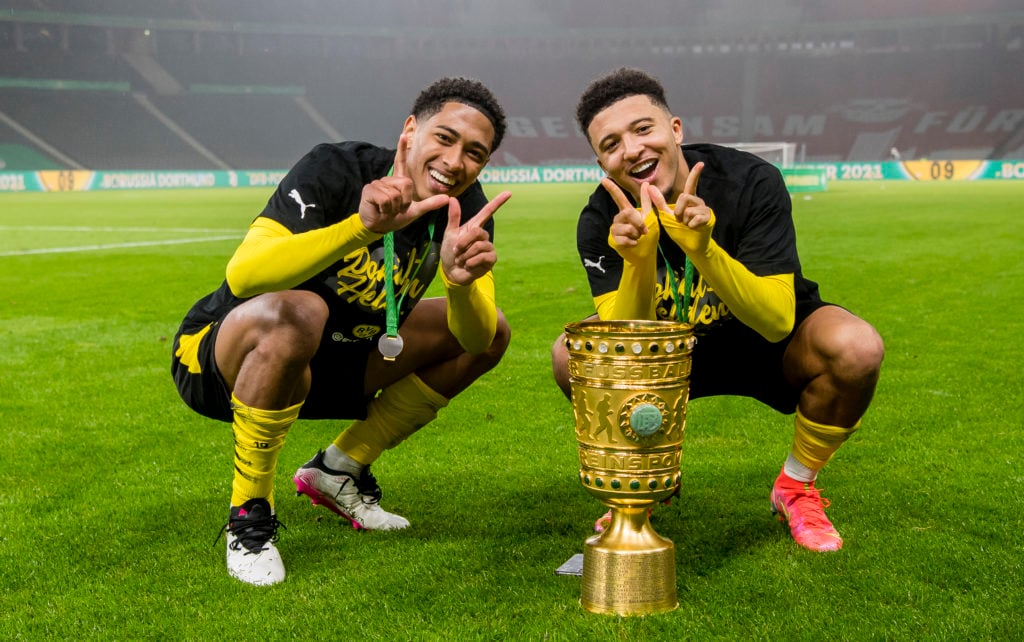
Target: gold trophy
<point>630,386</point>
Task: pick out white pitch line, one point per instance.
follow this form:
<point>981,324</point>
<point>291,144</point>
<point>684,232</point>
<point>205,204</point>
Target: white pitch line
<point>111,246</point>
<point>83,228</point>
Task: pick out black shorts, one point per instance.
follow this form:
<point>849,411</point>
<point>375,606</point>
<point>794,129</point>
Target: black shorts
<point>338,370</point>
<point>738,361</point>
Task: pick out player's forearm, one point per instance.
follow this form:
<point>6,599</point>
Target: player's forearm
<point>271,258</point>
<point>634,298</point>
<point>765,303</point>
<point>472,313</point>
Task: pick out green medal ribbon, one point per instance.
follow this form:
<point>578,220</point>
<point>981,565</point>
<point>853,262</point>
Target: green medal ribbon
<point>391,306</point>
<point>682,307</point>
<point>391,343</point>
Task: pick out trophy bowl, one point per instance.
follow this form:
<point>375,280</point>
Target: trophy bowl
<point>630,387</point>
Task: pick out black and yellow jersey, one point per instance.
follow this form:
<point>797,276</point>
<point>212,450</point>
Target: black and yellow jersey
<point>321,191</point>
<point>753,225</point>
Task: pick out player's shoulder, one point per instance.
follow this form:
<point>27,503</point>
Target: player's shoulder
<point>728,170</point>
<point>329,176</point>
<point>364,159</point>
<point>725,161</point>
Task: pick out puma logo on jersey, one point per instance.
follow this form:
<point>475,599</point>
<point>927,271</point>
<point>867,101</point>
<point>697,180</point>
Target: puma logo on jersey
<point>298,199</point>
<point>587,263</point>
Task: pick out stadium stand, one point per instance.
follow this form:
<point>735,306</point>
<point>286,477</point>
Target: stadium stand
<point>253,84</point>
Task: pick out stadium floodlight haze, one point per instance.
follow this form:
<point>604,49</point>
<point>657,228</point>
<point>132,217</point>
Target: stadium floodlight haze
<point>193,85</point>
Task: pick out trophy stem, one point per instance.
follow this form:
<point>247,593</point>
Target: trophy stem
<point>629,569</point>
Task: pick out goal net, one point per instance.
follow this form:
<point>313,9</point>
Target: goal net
<point>779,154</point>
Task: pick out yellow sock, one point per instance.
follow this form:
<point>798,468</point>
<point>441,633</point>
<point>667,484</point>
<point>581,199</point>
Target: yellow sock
<point>259,436</point>
<point>814,443</point>
<point>398,411</point>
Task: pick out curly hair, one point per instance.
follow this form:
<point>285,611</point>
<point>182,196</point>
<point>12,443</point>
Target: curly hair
<point>613,87</point>
<point>466,91</point>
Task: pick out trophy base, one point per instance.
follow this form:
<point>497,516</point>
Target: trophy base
<point>629,569</point>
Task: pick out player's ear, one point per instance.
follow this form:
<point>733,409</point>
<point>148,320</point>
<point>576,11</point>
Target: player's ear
<point>410,126</point>
<point>677,129</point>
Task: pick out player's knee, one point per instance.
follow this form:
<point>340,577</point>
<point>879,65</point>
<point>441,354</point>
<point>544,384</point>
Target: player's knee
<point>290,325</point>
<point>502,336</point>
<point>860,351</point>
<point>499,344</point>
<point>560,365</point>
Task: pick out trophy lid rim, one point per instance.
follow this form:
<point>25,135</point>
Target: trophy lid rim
<point>631,328</point>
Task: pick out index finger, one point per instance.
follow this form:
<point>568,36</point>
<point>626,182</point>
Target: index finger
<point>399,167</point>
<point>616,193</point>
<point>657,199</point>
<point>645,199</point>
<point>487,211</point>
<point>692,178</point>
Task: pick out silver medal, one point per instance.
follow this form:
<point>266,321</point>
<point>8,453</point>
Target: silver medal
<point>390,346</point>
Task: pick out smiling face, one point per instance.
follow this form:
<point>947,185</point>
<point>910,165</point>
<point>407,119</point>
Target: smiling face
<point>448,150</point>
<point>636,142</point>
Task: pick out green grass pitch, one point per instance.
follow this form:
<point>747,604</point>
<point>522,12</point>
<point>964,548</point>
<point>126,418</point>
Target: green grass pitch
<point>112,491</point>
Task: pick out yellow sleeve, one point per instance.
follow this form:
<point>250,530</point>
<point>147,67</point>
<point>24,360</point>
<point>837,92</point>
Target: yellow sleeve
<point>634,298</point>
<point>472,313</point>
<point>605,305</point>
<point>765,303</point>
<point>271,258</point>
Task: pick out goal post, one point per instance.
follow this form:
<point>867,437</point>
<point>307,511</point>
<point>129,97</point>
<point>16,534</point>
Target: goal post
<point>781,154</point>
<point>802,178</point>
